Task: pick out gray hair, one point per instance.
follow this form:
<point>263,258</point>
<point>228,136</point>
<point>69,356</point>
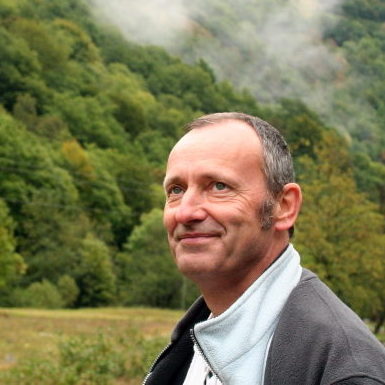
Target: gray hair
<point>277,161</point>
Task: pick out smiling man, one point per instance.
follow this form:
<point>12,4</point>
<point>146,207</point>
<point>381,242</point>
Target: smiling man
<point>262,319</point>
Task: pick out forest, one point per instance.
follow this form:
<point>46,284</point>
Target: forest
<point>88,116</point>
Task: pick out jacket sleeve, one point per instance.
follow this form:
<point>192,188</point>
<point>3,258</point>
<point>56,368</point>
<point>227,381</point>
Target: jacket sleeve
<point>359,381</point>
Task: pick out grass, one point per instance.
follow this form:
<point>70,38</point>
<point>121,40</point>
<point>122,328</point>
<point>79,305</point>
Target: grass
<point>27,334</point>
<point>83,347</point>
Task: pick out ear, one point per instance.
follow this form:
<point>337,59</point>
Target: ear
<point>288,206</point>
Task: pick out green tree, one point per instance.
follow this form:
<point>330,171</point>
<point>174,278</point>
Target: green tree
<point>147,273</point>
<point>51,237</point>
<point>301,127</point>
<point>132,103</point>
<point>95,276</point>
<point>11,263</point>
<point>340,233</point>
<point>89,119</point>
<point>19,68</point>
<point>42,40</point>
<point>68,290</point>
<point>43,295</point>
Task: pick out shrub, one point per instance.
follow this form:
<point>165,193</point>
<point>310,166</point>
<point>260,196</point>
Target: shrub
<point>68,290</point>
<point>90,360</point>
<point>142,352</point>
<point>43,295</point>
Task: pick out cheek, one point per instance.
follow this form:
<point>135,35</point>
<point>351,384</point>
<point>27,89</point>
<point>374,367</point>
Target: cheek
<point>168,221</point>
<point>237,215</point>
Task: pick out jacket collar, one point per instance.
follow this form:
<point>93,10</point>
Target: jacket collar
<point>235,344</point>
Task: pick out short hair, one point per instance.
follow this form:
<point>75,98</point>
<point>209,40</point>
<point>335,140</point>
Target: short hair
<point>277,161</point>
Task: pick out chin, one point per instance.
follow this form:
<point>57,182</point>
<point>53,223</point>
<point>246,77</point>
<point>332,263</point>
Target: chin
<point>194,263</point>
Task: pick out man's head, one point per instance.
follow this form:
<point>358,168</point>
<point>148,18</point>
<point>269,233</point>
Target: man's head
<point>277,161</point>
<point>231,199</point>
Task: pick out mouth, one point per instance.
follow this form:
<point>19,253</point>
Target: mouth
<point>194,238</point>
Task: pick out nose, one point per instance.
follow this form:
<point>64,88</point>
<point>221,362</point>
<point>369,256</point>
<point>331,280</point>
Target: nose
<point>191,207</point>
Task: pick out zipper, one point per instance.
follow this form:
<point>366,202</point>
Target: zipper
<point>155,362</point>
<point>195,341</point>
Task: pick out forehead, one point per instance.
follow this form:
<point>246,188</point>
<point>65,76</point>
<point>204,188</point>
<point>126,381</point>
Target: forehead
<point>229,144</point>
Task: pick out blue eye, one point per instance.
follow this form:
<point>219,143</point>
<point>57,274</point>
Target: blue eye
<point>220,186</point>
<point>175,190</point>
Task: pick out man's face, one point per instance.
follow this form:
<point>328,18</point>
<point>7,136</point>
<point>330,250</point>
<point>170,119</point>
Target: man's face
<point>215,191</point>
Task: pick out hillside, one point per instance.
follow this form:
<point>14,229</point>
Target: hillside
<point>328,54</point>
<point>86,123</point>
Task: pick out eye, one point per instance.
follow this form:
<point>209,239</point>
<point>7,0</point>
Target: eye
<point>175,190</point>
<point>220,186</point>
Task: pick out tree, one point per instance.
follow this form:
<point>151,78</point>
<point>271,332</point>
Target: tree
<point>89,119</point>
<point>42,40</point>
<point>132,103</point>
<point>301,127</point>
<point>95,277</point>
<point>19,67</point>
<point>147,273</point>
<point>51,237</point>
<point>42,295</point>
<point>68,290</point>
<point>340,233</point>
<point>11,263</point>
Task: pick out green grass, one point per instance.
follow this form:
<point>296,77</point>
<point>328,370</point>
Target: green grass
<point>107,346</point>
<point>30,339</point>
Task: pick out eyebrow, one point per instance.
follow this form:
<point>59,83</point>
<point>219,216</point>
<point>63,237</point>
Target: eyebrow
<point>205,176</point>
<point>170,180</point>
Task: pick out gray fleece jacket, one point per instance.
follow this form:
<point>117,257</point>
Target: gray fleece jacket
<point>318,341</point>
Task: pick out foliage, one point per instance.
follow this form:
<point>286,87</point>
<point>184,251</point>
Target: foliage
<point>41,295</point>
<point>11,263</point>
<point>68,290</point>
<point>95,276</point>
<point>87,120</point>
<point>147,273</point>
<point>347,239</point>
<point>142,353</point>
<point>90,339</point>
<point>98,359</point>
<point>92,361</point>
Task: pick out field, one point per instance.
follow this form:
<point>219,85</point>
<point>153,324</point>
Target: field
<point>83,347</point>
<point>110,346</point>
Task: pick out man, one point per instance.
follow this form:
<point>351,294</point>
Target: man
<point>262,319</point>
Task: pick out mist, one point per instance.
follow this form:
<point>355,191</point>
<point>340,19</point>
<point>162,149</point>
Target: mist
<point>274,48</point>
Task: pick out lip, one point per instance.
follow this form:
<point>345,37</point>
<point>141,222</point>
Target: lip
<point>193,238</point>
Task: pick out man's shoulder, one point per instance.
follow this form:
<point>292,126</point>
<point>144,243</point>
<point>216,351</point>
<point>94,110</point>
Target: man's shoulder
<point>319,315</point>
<point>318,336</point>
<point>315,304</point>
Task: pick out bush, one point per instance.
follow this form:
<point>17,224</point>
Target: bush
<point>142,352</point>
<point>43,295</point>
<point>90,360</point>
<point>34,371</point>
<point>68,290</point>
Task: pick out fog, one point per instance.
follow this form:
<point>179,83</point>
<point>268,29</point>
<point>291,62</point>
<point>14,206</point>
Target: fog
<point>272,47</point>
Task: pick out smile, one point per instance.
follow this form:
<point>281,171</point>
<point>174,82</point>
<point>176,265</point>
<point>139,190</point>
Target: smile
<point>193,238</point>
